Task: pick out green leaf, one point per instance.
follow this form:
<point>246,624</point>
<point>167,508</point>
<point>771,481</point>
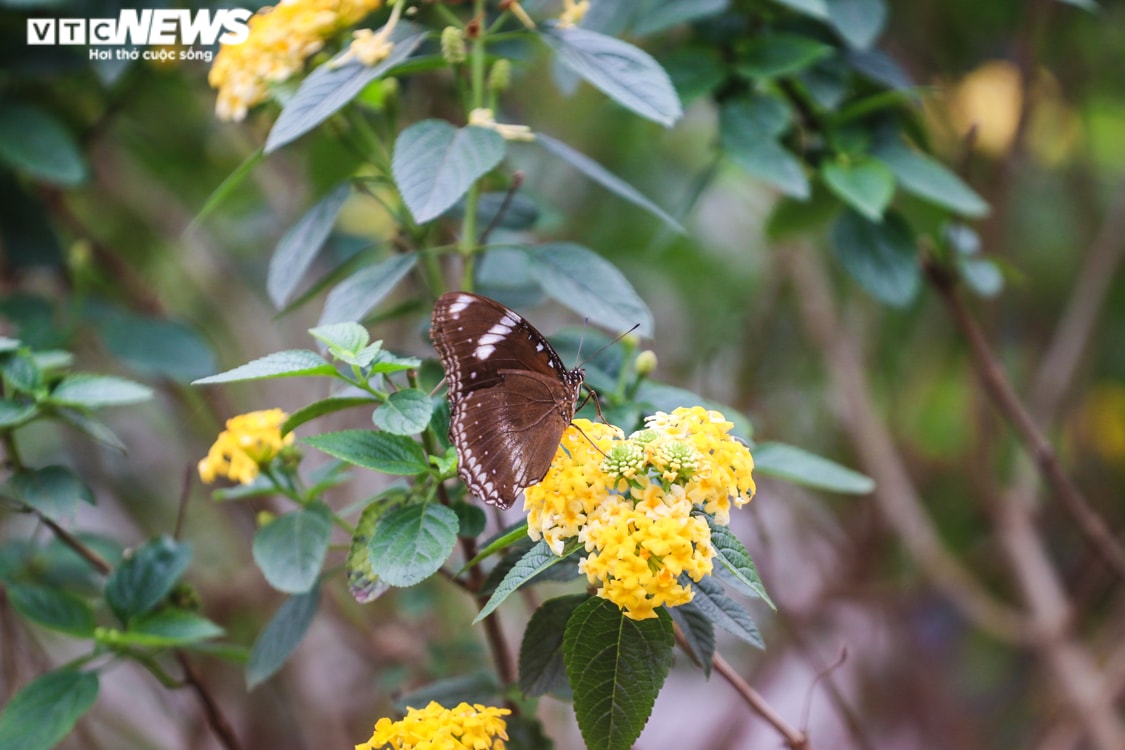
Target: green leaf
<point>300,245</point>
<point>734,557</point>
<point>863,183</point>
<point>21,373</point>
<point>95,391</point>
<point>981,275</point>
<point>772,163</point>
<point>44,711</point>
<point>694,70</point>
<point>541,652</point>
<point>53,609</point>
<point>930,180</point>
<point>616,667</point>
<point>381,451</point>
<point>538,558</point>
<point>329,88</point>
<point>290,549</point>
<point>91,427</point>
<point>747,120</point>
<point>322,407</point>
<point>814,8</point>
<point>386,362</point>
<point>348,343</point>
<point>723,611</point>
<point>1089,5</point>
<point>156,346</point>
<point>226,187</point>
<point>590,285</point>
<point>436,163</point>
<point>791,218</point>
<point>605,178</point>
<point>411,542</point>
<point>170,628</point>
<point>363,583</point>
<point>881,257</point>
<point>859,22</point>
<point>521,212</point>
<point>287,364</point>
<point>54,491</point>
<point>34,142</point>
<point>406,412</point>
<point>281,637</point>
<point>657,15</point>
<point>698,632</point>
<point>471,519</point>
<point>625,73</point>
<point>142,581</point>
<point>356,296</point>
<point>773,55</point>
<point>801,467</point>
<point>15,413</point>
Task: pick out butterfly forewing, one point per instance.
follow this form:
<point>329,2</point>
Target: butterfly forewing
<point>510,394</point>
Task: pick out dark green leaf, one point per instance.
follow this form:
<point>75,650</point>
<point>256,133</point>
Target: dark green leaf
<point>356,296</point>
<point>931,180</point>
<point>605,178</point>
<point>95,391</point>
<point>747,120</point>
<point>406,412</point>
<point>21,373</point>
<point>779,54</point>
<point>590,285</point>
<point>170,628</point>
<point>91,427</point>
<point>157,346</point>
<point>288,364</point>
<point>658,15</point>
<point>881,257</point>
<point>471,519</point>
<point>734,557</point>
<point>436,163</point>
<point>694,71</point>
<point>801,467</point>
<point>541,653</point>
<point>791,217</point>
<point>299,246</point>
<point>538,558</point>
<point>290,549</point>
<point>813,8</point>
<point>698,632</point>
<point>363,583</point>
<point>616,666</point>
<point>865,184</point>
<point>772,163</point>
<point>44,711</point>
<point>623,72</point>
<point>381,451</point>
<point>320,408</point>
<point>281,637</point>
<point>14,413</point>
<point>53,609</point>
<point>54,491</point>
<point>411,542</point>
<point>859,21</point>
<point>34,142</point>
<point>723,611</point>
<point>142,581</point>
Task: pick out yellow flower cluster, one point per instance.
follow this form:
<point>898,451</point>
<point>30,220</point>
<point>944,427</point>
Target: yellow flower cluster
<point>630,502</point>
<point>281,39</point>
<point>435,727</point>
<point>249,442</point>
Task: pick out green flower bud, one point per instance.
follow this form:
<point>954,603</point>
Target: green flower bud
<point>453,45</point>
<point>645,363</point>
<point>500,75</point>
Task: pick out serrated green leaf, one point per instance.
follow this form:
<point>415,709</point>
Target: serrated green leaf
<point>300,245</point>
<point>356,296</point>
<point>859,22</point>
<point>723,611</point>
<point>541,652</point>
<point>605,178</point>
<point>44,711</point>
<point>15,413</point>
<point>347,336</point>
<point>287,364</point>
<point>625,73</point>
<point>471,519</point>
<point>930,180</point>
<point>411,542</point>
<point>34,142</point>
<point>381,451</point>
<point>747,120</point>
<point>329,87</point>
<point>801,467</point>
<point>96,391</point>
<point>435,163</point>
<point>168,628</point>
<point>290,549</point>
<point>772,163</point>
<point>867,185</point>
<point>21,373</point>
<point>322,407</point>
<point>363,583</point>
<point>90,426</point>
<point>773,55</point>
<point>698,632</point>
<point>53,609</point>
<point>538,558</point>
<point>385,362</point>
<point>54,491</point>
<point>281,637</point>
<point>590,285</point>
<point>735,558</point>
<point>616,667</point>
<point>406,412</point>
<point>882,257</point>
<point>142,581</point>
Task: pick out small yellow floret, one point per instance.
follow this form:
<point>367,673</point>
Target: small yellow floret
<point>249,442</point>
<point>435,727</point>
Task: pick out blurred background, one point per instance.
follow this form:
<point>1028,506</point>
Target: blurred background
<point>872,646</point>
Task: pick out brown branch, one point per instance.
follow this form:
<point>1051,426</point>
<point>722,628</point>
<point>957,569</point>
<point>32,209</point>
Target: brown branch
<point>96,561</point>
<point>1004,398</point>
<point>794,738</point>
<point>215,718</point>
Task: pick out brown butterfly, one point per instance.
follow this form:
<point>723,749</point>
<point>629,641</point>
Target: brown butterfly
<point>511,396</point>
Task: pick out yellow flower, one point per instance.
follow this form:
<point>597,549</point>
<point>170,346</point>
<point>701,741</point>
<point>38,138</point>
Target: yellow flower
<point>249,442</point>
<point>573,12</point>
<point>281,39</point>
<point>435,727</point>
<point>632,502</point>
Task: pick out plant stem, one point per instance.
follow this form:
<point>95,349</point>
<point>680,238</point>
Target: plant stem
<point>472,199</point>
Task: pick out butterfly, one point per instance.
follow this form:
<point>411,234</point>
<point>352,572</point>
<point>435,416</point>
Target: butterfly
<point>510,395</point>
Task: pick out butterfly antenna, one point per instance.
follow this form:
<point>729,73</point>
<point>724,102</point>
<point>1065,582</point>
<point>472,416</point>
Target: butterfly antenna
<point>599,351</point>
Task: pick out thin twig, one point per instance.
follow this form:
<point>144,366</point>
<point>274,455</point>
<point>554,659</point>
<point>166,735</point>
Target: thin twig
<point>215,718</point>
<point>517,182</point>
<point>794,738</point>
<point>96,561</point>
<point>185,491</point>
<point>1004,398</point>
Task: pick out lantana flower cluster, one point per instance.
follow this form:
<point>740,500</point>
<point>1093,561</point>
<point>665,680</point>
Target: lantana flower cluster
<point>634,503</point>
<point>281,38</point>
<point>249,442</point>
<point>464,727</point>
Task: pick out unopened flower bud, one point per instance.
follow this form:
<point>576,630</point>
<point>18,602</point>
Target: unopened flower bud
<point>500,75</point>
<point>453,45</point>
<point>645,363</point>
<point>264,518</point>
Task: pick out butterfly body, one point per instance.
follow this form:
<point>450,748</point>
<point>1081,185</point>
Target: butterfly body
<point>510,395</point>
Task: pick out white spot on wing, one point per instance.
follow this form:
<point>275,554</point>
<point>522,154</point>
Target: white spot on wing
<point>484,351</point>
